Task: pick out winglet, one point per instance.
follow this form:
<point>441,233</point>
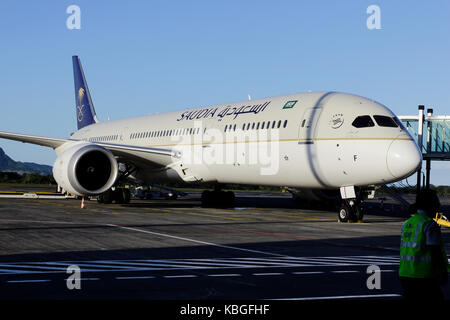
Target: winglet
<point>84,108</point>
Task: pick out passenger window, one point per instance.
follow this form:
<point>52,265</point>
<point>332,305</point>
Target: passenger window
<point>363,122</point>
<point>285,124</point>
<point>273,124</point>
<point>262,126</point>
<point>384,121</point>
<point>279,124</point>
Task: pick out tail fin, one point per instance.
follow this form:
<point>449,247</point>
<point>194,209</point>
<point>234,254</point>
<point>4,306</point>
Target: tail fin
<point>85,108</point>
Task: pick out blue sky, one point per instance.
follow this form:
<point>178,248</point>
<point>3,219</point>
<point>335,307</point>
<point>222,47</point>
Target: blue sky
<point>144,57</point>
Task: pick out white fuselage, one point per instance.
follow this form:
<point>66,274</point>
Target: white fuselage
<point>304,140</point>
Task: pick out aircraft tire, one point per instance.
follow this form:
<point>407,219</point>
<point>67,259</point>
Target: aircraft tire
<point>344,213</point>
<point>359,213</point>
<point>206,198</point>
<point>108,196</point>
<point>126,195</point>
<point>118,195</point>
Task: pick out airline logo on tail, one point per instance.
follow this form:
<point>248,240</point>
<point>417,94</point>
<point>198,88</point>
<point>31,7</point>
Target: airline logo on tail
<point>84,108</point>
<point>80,104</point>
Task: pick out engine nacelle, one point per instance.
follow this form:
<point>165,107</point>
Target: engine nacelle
<point>84,168</point>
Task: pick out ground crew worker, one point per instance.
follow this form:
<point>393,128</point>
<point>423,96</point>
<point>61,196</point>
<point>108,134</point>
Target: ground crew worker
<point>423,260</point>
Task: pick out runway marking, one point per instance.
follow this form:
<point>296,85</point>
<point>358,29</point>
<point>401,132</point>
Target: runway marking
<point>181,276</point>
<point>308,272</point>
<point>54,267</point>
<point>269,274</point>
<point>260,274</point>
<point>134,278</point>
<point>192,240</point>
<point>29,281</point>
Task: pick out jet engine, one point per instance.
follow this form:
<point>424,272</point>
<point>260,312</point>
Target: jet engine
<point>84,168</point>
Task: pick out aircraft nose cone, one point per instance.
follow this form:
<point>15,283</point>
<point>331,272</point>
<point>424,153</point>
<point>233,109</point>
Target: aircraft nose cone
<point>403,158</point>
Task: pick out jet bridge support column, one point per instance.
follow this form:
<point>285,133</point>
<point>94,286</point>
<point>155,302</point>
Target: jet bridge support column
<point>419,142</point>
<point>428,160</point>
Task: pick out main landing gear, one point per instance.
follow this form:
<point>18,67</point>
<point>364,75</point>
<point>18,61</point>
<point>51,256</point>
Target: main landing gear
<point>117,195</point>
<point>217,198</point>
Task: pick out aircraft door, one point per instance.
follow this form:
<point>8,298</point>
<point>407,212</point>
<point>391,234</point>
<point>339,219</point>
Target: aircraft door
<point>124,134</point>
<point>308,123</point>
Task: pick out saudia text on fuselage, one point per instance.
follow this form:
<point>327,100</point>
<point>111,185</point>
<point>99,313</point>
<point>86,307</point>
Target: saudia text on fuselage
<point>209,113</point>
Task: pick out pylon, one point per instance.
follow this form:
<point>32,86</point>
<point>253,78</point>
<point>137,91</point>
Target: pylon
<point>82,202</point>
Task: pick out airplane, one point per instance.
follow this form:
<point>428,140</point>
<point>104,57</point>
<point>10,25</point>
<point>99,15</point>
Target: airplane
<point>321,144</point>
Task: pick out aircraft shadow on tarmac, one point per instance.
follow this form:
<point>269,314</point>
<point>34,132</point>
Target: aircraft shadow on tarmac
<point>373,207</point>
<point>308,247</point>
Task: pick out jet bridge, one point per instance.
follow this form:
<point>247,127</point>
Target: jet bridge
<point>432,134</point>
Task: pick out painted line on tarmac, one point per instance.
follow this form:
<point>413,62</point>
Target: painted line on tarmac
<point>345,271</point>
<point>195,241</point>
<point>135,278</point>
<point>181,276</point>
<point>269,274</point>
<point>29,281</point>
<point>308,272</point>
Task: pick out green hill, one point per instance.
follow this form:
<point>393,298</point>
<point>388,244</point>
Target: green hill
<point>8,164</point>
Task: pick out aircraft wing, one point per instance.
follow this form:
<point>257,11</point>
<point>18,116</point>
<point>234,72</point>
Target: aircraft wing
<point>26,138</point>
<point>135,154</point>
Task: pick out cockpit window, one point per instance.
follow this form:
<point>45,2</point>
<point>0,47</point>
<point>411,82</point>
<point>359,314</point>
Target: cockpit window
<point>363,122</point>
<point>384,121</point>
<point>399,123</point>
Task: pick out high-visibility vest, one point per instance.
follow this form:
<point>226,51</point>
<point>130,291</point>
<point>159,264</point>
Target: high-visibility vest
<point>415,257</point>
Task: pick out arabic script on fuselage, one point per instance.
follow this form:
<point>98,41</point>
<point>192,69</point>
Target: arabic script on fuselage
<point>208,113</point>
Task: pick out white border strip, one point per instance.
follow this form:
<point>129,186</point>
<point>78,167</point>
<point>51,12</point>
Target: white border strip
<point>362,296</point>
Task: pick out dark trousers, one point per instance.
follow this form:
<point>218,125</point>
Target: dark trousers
<point>421,289</point>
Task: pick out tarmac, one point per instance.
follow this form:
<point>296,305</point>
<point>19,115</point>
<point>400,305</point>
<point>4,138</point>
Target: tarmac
<point>264,248</point>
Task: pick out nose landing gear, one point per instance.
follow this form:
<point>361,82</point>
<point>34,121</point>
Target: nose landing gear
<point>351,205</point>
<point>350,210</point>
